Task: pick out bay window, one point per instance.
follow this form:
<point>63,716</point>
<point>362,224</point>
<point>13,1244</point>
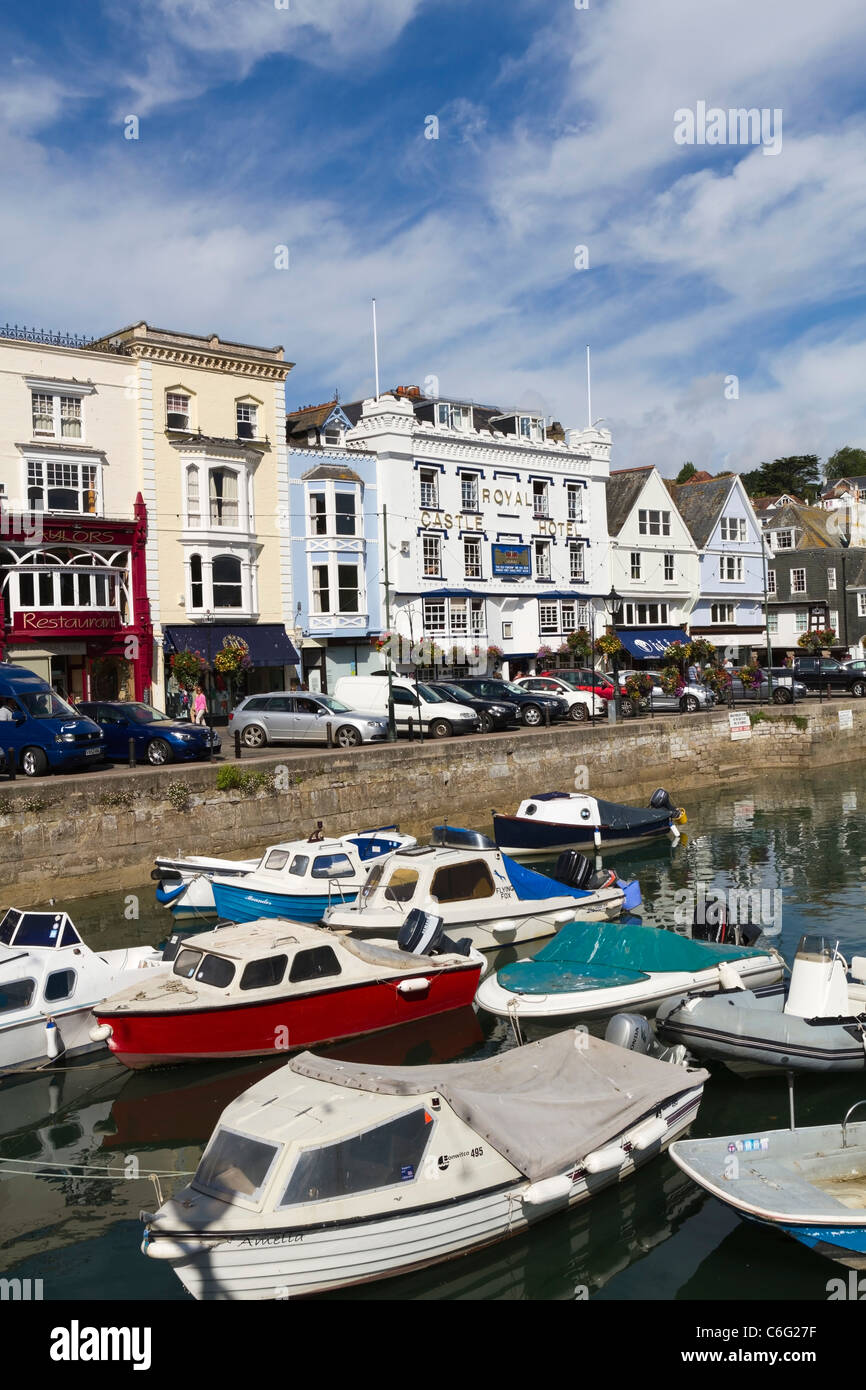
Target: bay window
<point>348,593</point>
<point>223,491</point>
<point>344,505</point>
<point>227,582</point>
<point>321,589</point>
<point>55,485</point>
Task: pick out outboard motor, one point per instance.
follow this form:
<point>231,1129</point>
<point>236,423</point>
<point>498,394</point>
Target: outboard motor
<point>422,935</point>
<point>573,868</point>
<point>716,927</point>
<point>661,801</point>
<point>631,1031</point>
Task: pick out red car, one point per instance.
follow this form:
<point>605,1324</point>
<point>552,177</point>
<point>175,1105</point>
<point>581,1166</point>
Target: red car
<point>582,678</point>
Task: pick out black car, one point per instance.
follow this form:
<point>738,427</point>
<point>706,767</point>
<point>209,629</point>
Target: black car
<point>531,707</point>
<point>494,714</point>
<point>819,672</point>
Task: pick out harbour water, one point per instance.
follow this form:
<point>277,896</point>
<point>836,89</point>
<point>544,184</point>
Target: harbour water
<point>655,1237</point>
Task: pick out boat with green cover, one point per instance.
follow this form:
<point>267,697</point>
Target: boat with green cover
<point>593,970</point>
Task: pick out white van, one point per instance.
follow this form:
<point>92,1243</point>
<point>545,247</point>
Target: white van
<point>439,718</point>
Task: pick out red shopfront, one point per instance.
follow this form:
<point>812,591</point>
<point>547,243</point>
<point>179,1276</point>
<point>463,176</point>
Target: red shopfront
<point>73,602</point>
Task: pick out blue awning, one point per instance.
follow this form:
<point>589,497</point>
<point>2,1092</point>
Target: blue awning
<point>269,643</point>
<point>648,643</point>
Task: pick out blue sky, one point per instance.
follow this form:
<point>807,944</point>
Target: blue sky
<point>305,126</point>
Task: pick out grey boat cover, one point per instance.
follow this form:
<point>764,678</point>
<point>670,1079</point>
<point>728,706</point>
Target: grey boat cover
<point>544,1106</point>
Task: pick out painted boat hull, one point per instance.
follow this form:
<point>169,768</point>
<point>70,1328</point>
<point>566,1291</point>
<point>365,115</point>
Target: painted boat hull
<point>165,1037</point>
<point>238,904</point>
<point>298,1261</point>
<point>522,838</point>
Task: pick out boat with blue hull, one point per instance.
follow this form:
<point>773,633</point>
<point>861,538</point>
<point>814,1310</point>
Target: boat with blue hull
<point>302,879</point>
<point>551,822</point>
<point>809,1182</point>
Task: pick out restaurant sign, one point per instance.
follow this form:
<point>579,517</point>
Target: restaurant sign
<point>73,624</point>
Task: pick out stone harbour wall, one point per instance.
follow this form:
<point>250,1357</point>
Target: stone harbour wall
<point>95,833</point>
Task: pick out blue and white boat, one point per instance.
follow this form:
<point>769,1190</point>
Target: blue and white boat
<point>592,971</point>
<point>809,1182</point>
<point>302,879</point>
<point>551,822</point>
<point>184,884</point>
<point>479,893</point>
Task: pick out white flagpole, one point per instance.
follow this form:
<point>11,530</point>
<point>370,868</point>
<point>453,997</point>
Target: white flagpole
<point>588,391</point>
<point>375,351</point>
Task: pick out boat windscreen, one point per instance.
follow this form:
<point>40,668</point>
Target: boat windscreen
<point>817,948</point>
<point>38,929</point>
<point>236,1165</point>
<point>380,1157</point>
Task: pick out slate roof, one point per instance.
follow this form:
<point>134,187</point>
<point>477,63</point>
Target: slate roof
<point>700,505</point>
<point>810,524</point>
<point>341,472</point>
<point>623,488</point>
<point>858,479</point>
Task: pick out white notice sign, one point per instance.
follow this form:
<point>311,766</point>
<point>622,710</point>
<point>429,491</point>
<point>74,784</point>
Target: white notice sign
<point>741,724</point>
<point>846,719</point>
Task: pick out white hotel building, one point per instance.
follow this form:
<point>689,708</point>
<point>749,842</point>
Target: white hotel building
<point>497,526</point>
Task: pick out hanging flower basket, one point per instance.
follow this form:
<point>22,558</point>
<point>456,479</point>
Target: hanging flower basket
<point>751,676</point>
<point>675,654</point>
<point>700,650</point>
<point>718,680</point>
<point>609,644</point>
<point>816,639</point>
<point>544,655</point>
<point>638,686</point>
<point>671,681</point>
<point>580,644</point>
<point>188,667</point>
<point>380,641</point>
<point>233,656</point>
<point>495,653</point>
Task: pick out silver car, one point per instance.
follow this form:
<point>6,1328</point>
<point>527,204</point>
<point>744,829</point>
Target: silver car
<point>303,718</point>
<point>691,699</point>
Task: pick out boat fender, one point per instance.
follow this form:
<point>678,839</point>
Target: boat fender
<point>729,977</point>
<point>53,1040</point>
<point>101,1033</point>
<point>603,1160</point>
<point>416,986</point>
<point>647,1134</point>
<point>165,1249</point>
<point>556,1189</point>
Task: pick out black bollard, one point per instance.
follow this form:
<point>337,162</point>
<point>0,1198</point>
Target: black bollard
<point>411,730</point>
<point>132,752</point>
<point>237,743</point>
<point>330,735</point>
<point>10,763</point>
<point>547,715</point>
<point>209,735</point>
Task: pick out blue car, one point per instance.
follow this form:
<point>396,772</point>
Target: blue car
<point>157,738</point>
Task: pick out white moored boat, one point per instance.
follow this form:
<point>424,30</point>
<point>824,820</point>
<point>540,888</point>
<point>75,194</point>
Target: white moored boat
<point>478,892</point>
<point>49,983</point>
<point>328,1174</point>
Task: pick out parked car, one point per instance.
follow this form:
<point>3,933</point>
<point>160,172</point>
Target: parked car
<point>439,717</point>
<point>303,717</point>
<point>43,732</point>
<point>691,699</point>
<point>582,704</point>
<point>583,678</point>
<point>819,672</point>
<point>493,714</point>
<point>531,707</point>
<point>785,688</point>
<point>156,736</point>
<point>858,669</point>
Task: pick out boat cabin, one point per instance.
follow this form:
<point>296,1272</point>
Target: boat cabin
<point>32,977</point>
<point>322,860</point>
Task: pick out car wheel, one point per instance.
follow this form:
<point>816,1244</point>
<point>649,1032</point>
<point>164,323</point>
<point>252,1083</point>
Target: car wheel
<point>158,752</point>
<point>627,706</point>
<point>347,736</point>
<point>440,728</point>
<point>34,763</point>
<point>487,723</point>
<point>578,712</point>
<point>781,695</point>
<point>532,715</point>
<point>859,689</point>
<point>254,736</point>
<point>689,704</point>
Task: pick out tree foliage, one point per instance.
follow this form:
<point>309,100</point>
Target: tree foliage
<point>845,463</point>
<point>687,471</point>
<point>799,474</point>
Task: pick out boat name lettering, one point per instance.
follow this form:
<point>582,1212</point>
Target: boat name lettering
<point>748,1145</point>
<point>444,1159</point>
<point>253,1241</point>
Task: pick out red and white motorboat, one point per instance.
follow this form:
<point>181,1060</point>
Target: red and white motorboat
<point>271,986</point>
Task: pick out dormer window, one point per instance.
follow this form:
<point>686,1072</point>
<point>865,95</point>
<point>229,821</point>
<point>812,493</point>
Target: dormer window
<point>443,414</point>
<point>461,417</point>
<point>177,411</point>
<point>247,420</point>
<point>332,437</point>
<point>530,427</point>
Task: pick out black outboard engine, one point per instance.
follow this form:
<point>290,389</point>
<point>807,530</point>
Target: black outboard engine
<point>716,927</point>
<point>572,868</point>
<point>631,1031</point>
<point>422,935</point>
<point>661,801</point>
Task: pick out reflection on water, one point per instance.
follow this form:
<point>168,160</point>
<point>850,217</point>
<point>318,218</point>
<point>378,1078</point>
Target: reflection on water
<point>656,1236</point>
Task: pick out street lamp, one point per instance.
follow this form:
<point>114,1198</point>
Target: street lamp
<point>613,603</point>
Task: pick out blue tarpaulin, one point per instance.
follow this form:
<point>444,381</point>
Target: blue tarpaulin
<point>648,643</point>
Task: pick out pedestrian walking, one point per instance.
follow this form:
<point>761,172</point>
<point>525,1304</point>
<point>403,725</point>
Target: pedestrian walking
<point>199,705</point>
